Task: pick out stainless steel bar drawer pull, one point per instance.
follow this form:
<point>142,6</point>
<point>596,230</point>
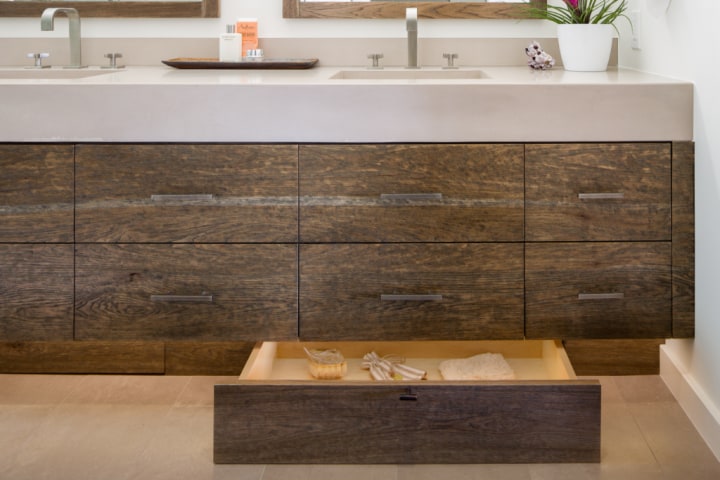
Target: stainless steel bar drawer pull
<point>182,198</point>
<point>182,298</point>
<point>411,298</point>
<point>601,196</point>
<point>601,296</point>
<point>410,196</point>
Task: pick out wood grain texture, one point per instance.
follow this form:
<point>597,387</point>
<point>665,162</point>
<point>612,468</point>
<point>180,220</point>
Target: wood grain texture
<point>254,289</point>
<point>557,173</point>
<point>341,188</point>
<point>112,357</point>
<point>36,193</point>
<point>555,273</point>
<point>341,287</point>
<point>36,292</point>
<point>614,357</point>
<point>254,190</point>
<point>368,423</point>
<point>395,9</point>
<point>683,239</point>
<point>206,358</point>
<point>124,357</point>
<point>129,9</point>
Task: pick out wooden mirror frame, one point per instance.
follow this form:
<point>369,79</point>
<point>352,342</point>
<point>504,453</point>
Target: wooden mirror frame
<point>133,9</point>
<point>298,9</point>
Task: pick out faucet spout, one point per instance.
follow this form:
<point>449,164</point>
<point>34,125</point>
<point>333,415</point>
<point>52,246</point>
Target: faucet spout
<point>47,24</point>
<point>411,25</point>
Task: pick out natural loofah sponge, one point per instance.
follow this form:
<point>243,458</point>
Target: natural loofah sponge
<point>326,364</point>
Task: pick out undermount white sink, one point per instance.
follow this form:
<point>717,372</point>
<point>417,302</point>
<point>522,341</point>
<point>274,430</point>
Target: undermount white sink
<point>410,74</point>
<point>50,73</point>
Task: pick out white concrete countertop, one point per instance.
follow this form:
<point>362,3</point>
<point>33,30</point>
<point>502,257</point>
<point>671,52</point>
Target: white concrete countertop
<point>511,104</point>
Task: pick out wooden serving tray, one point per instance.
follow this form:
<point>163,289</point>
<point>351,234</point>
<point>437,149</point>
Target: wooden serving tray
<point>261,63</point>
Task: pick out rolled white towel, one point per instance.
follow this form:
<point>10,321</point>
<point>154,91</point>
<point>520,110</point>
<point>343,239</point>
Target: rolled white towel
<point>486,366</point>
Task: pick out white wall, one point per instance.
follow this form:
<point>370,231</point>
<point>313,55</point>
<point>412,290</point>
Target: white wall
<point>682,42</point>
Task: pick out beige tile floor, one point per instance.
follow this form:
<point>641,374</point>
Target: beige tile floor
<point>78,427</point>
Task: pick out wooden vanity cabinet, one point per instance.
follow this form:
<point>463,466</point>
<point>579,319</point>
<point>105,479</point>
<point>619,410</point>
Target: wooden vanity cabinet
<point>411,242</point>
<point>424,244</point>
<point>36,235</point>
<point>357,242</point>
<point>186,242</point>
<point>600,260</point>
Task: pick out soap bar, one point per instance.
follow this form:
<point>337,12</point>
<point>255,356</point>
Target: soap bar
<point>248,28</point>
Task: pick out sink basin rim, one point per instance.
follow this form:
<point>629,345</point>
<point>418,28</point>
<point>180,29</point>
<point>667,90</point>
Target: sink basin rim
<point>410,74</point>
<point>57,73</point>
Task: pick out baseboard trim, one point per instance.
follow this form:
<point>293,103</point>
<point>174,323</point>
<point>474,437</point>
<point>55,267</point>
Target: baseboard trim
<point>704,415</point>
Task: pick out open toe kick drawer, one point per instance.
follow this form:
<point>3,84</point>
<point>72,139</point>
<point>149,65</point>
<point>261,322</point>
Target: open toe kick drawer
<point>278,413</point>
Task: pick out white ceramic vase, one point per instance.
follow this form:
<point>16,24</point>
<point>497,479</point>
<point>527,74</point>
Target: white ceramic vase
<point>585,47</point>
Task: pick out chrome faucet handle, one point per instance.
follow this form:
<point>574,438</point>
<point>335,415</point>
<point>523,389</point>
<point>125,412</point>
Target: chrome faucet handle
<point>113,60</point>
<point>451,57</point>
<point>375,57</point>
<point>38,57</point>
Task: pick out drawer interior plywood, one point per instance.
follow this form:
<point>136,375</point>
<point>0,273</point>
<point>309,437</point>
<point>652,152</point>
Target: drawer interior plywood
<point>530,360</point>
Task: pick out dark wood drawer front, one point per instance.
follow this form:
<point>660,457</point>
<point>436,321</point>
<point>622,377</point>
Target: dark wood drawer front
<point>186,193</point>
<point>186,292</point>
<point>36,292</point>
<point>411,291</point>
<point>36,193</point>
<point>598,192</point>
<point>377,424</point>
<point>598,290</point>
<point>397,193</point>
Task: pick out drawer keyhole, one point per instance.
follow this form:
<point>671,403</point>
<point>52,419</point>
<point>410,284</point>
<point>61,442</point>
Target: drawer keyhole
<point>409,396</point>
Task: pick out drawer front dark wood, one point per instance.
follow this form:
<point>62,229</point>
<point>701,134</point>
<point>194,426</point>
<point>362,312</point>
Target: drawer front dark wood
<point>377,424</point>
<point>396,193</point>
<point>36,292</point>
<point>36,193</point>
<point>186,292</point>
<point>598,290</point>
<point>411,291</point>
<point>186,193</point>
<point>598,192</point>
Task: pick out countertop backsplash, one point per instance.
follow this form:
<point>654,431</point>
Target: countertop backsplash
<point>331,52</point>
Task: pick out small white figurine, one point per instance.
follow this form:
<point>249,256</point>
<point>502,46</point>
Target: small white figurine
<point>539,60</point>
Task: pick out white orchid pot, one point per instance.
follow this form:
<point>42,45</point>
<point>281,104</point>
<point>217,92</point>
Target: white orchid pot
<point>585,47</point>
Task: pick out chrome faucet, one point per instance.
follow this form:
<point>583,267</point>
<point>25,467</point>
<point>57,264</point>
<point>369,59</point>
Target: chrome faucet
<point>411,24</point>
<point>47,24</point>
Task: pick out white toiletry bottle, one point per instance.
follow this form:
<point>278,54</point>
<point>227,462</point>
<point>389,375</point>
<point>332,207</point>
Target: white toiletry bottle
<point>230,45</point>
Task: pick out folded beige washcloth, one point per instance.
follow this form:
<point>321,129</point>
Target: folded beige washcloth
<point>486,366</point>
